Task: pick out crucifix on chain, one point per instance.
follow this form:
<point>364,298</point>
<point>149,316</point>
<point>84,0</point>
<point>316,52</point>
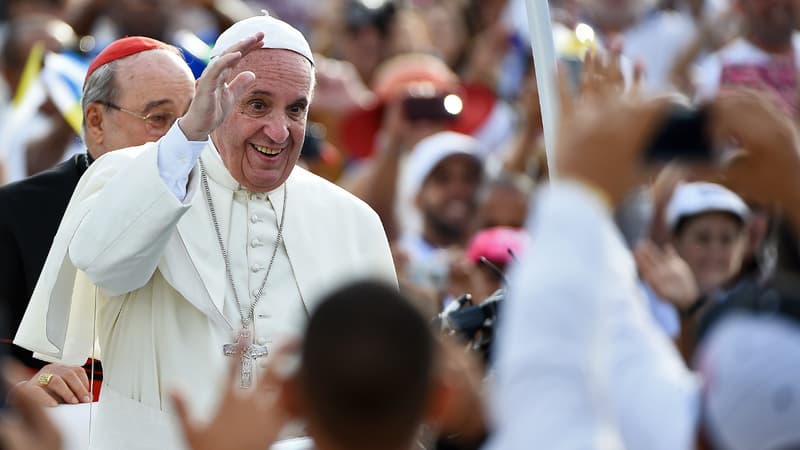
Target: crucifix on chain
<point>249,352</point>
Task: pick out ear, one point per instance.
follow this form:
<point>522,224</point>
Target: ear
<point>94,125</point>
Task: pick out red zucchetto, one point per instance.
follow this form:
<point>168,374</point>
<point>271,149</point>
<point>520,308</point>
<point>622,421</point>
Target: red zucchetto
<point>124,47</point>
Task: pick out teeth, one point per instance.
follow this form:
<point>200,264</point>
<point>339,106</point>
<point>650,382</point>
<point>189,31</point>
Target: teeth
<point>267,150</point>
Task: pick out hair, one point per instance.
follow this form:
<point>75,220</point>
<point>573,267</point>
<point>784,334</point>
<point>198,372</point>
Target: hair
<point>367,367</point>
<point>100,85</point>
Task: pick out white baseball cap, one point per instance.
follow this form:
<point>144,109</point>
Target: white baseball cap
<point>691,199</point>
<point>751,370</point>
<point>432,150</point>
<point>277,34</point>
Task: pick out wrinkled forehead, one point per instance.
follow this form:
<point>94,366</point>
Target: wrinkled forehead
<point>278,66</point>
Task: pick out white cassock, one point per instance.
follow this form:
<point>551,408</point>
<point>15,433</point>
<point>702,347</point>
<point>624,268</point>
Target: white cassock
<point>152,266</point>
<point>581,363</point>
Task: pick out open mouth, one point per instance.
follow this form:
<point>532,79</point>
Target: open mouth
<point>271,152</point>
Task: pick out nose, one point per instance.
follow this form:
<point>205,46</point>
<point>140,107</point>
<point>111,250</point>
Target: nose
<point>276,128</point>
<point>463,188</point>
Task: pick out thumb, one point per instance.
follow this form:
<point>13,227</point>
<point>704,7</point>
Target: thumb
<point>239,85</point>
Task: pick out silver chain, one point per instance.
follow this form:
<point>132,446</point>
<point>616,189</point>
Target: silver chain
<point>246,319</point>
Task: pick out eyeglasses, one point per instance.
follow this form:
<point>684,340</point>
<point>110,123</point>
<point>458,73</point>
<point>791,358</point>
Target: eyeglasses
<point>157,122</point>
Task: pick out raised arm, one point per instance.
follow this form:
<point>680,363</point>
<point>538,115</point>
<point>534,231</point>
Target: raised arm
<point>130,202</point>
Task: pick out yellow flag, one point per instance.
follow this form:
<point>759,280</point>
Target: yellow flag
<point>29,73</point>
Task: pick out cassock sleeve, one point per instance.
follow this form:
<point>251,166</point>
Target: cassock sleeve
<point>112,236</point>
<point>129,216</point>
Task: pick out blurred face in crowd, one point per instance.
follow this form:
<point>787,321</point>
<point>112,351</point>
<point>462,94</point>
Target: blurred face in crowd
<point>448,197</point>
<point>260,139</point>
<point>503,206</point>
<point>364,48</point>
<point>713,244</point>
<point>156,85</point>
<point>24,33</point>
<point>615,15</point>
<point>448,30</point>
<point>769,23</point>
<point>20,8</point>
<point>142,17</point>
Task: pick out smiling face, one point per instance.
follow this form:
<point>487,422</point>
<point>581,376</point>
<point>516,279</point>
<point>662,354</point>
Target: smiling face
<point>713,244</point>
<point>154,83</point>
<point>448,197</point>
<point>261,138</point>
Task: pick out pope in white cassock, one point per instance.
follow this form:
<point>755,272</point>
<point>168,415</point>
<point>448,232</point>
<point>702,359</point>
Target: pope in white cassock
<point>177,249</point>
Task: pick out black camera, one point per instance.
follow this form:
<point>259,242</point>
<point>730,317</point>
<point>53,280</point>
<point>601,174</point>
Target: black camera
<point>438,108</point>
<point>474,323</point>
<point>683,136</point>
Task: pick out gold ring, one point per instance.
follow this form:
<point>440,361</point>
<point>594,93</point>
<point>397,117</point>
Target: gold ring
<point>44,379</point>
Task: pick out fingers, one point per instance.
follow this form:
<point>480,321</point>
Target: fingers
<point>28,405</point>
<point>82,377</point>
<point>670,252</point>
<point>62,391</point>
<point>247,45</point>
<point>588,72</point>
<point>745,115</point>
<point>217,69</point>
<point>646,257</point>
<point>12,435</point>
<point>214,72</point>
<point>241,83</point>
<point>78,386</point>
<point>36,392</point>
<point>638,78</point>
<point>565,98</point>
<point>285,364</point>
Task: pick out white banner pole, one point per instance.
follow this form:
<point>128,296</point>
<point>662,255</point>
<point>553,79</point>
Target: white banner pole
<point>544,55</point>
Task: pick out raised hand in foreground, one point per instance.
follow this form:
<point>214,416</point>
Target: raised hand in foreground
<point>25,425</point>
<point>246,419</point>
<point>215,96</point>
<point>667,274</point>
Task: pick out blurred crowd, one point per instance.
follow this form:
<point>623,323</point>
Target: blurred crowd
<point>428,110</point>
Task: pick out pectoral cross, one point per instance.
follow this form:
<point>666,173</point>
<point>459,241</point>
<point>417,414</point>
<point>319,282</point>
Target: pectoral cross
<point>249,352</point>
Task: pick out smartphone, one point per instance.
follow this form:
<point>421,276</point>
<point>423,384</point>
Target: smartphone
<point>684,136</point>
<point>436,108</point>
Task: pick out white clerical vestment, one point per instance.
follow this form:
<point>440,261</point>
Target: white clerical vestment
<point>150,268</point>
